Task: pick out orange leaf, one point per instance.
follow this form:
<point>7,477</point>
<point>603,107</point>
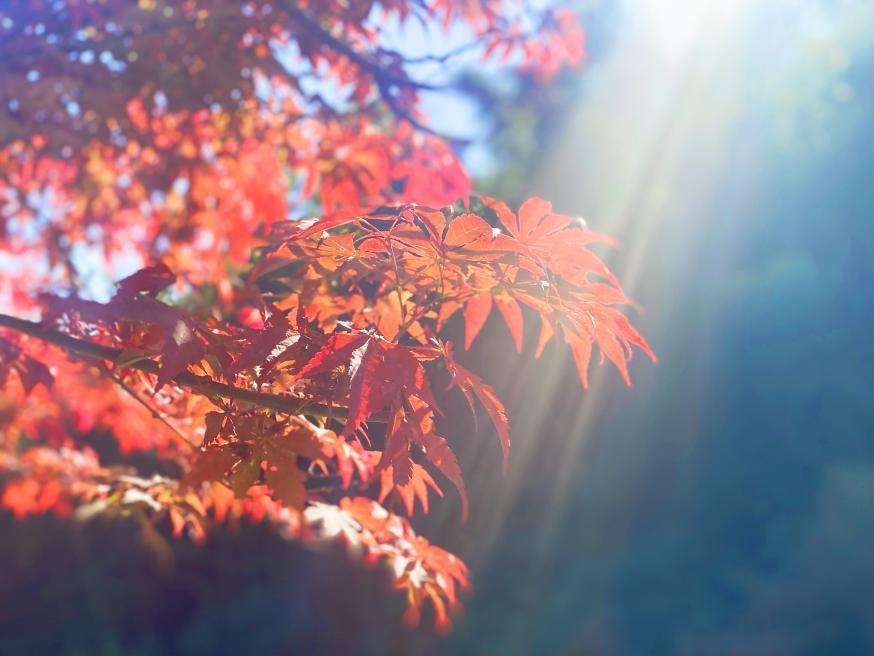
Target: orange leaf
<point>212,464</point>
<point>472,385</point>
<point>467,230</point>
<point>512,314</point>
<point>475,314</point>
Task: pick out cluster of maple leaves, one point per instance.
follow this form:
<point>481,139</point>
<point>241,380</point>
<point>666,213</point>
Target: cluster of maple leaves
<point>281,369</point>
<point>178,129</point>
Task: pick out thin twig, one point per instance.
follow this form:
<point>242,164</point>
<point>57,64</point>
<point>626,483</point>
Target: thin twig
<point>152,410</point>
<point>365,62</point>
<point>386,79</point>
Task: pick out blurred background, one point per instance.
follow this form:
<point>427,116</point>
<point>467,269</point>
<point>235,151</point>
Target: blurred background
<point>725,504</point>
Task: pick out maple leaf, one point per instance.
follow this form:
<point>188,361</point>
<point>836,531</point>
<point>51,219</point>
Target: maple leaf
<point>476,311</point>
<point>351,456</point>
<point>611,331</point>
<point>415,488</point>
<point>467,231</point>
<point>134,302</point>
<point>212,464</point>
<point>423,571</point>
<point>473,386</point>
<point>267,347</point>
<point>149,280</point>
<point>337,351</point>
<point>437,450</point>
<point>377,372</point>
<point>214,422</point>
<point>30,371</point>
<point>275,450</point>
<point>553,241</point>
<point>512,313</point>
<point>397,468</point>
<point>396,453</point>
<point>439,454</point>
<point>284,477</point>
<point>332,220</point>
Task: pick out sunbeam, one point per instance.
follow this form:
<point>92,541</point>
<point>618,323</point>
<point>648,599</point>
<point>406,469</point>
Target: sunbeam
<point>677,110</point>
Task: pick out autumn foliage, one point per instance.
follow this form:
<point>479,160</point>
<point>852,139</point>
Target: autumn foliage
<point>280,366</point>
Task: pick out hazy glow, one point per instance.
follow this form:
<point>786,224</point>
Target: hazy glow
<point>684,98</point>
<point>676,29</point>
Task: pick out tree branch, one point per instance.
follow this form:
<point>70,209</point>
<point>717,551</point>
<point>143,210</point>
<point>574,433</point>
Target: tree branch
<point>386,79</point>
<point>284,403</point>
<point>363,61</point>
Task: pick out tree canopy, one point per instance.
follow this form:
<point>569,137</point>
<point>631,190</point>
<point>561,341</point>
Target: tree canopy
<point>302,238</point>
